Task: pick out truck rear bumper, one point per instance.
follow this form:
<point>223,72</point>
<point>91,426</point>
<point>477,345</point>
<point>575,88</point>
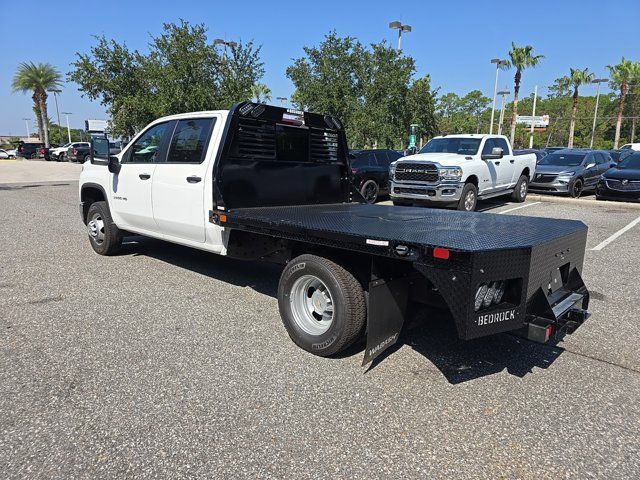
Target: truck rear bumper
<point>442,192</point>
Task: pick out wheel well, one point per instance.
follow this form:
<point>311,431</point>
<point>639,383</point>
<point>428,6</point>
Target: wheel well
<point>88,196</point>
<point>526,172</point>
<point>472,179</point>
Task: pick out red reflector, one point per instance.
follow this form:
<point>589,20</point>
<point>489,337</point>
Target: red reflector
<point>442,253</point>
<point>549,331</point>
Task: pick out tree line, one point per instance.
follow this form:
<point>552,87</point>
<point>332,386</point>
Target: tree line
<point>372,88</point>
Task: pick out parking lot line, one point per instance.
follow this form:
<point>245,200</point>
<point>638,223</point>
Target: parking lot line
<point>521,206</point>
<point>603,244</point>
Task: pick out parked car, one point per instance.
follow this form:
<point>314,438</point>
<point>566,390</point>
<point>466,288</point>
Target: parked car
<point>538,153</point>
<point>631,146</point>
<point>621,182</point>
<point>78,152</point>
<point>58,153</point>
<point>571,171</point>
<point>7,153</point>
<point>29,150</point>
<point>115,148</point>
<point>370,170</point>
<point>619,155</point>
<point>459,170</point>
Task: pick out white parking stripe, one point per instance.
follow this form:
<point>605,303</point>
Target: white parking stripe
<point>616,235</point>
<point>521,206</point>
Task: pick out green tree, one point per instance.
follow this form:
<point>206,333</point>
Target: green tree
<point>261,93</point>
<point>37,78</point>
<point>422,105</point>
<point>622,75</point>
<point>520,58</point>
<point>181,72</point>
<point>574,81</point>
<point>473,104</point>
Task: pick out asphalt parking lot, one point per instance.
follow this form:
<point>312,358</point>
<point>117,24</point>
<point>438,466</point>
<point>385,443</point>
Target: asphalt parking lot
<point>170,362</point>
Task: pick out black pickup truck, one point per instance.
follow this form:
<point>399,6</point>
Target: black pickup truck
<point>262,182</point>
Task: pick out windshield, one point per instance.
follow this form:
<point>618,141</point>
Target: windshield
<point>632,162</point>
<point>461,146</point>
<point>563,159</point>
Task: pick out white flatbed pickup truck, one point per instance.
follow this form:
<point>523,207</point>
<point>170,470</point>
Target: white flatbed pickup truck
<point>459,170</point>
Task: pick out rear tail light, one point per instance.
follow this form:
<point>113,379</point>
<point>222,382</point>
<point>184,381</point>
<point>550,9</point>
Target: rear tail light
<point>489,293</point>
<point>42,151</point>
<point>75,151</point>
<point>354,170</point>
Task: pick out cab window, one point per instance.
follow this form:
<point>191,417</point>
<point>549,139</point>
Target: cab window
<point>190,139</point>
<point>146,148</point>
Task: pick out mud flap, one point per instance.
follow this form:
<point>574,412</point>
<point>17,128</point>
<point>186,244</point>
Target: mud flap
<point>385,315</point>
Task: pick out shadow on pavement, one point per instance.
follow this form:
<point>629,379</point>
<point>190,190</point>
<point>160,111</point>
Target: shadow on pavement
<point>428,331</point>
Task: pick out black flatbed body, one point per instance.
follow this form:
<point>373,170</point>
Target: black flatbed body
<point>369,227</point>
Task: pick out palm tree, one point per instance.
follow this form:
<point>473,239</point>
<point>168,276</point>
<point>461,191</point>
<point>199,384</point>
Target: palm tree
<point>575,80</point>
<point>622,75</point>
<point>37,79</point>
<point>520,58</point>
<point>261,92</point>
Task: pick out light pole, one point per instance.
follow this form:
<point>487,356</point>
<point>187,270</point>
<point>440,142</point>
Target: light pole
<point>282,100</point>
<point>597,81</point>
<point>498,63</point>
<point>533,114</point>
<point>502,93</point>
<point>68,129</point>
<point>401,28</point>
<point>55,92</point>
<point>26,122</point>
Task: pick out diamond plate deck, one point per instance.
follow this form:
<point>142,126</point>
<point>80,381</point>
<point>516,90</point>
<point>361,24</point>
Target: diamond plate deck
<point>463,231</point>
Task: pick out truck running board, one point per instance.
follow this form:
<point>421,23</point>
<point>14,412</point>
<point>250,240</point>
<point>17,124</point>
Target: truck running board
<point>495,194</point>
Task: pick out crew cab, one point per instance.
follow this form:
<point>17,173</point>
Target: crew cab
<point>261,182</point>
<point>459,170</point>
<point>58,153</point>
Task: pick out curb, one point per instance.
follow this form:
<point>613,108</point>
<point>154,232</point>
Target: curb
<point>581,201</point>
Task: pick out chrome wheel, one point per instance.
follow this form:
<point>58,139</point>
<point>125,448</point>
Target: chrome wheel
<point>311,305</point>
<point>470,201</point>
<point>370,191</point>
<point>523,189</point>
<point>96,229</point>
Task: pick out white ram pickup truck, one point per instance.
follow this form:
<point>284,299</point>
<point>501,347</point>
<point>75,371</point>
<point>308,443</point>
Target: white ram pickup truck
<point>459,170</point>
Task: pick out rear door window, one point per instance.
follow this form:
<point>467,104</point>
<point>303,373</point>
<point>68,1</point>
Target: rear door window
<point>190,140</point>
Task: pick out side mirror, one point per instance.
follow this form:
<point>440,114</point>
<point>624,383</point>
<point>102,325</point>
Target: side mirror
<point>496,154</point>
<point>114,165</point>
<point>590,165</point>
<point>99,149</point>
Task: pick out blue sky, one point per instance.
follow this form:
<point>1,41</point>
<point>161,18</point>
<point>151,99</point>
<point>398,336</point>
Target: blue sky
<point>452,41</point>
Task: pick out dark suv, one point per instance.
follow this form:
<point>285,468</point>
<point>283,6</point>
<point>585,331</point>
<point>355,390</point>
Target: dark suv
<point>570,170</point>
<point>29,150</point>
<point>370,170</point>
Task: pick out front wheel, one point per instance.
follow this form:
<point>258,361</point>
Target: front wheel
<point>370,190</point>
<point>322,305</point>
<point>104,235</point>
<point>575,189</point>
<point>468,198</point>
<point>61,157</point>
<point>520,192</point>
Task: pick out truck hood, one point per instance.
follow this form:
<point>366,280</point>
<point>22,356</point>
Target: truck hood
<point>444,159</point>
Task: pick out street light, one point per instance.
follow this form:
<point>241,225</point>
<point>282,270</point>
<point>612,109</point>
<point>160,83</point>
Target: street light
<point>499,62</point>
<point>68,129</point>
<point>503,93</point>
<point>55,92</point>
<point>401,28</point>
<point>26,122</point>
<point>597,81</point>
<point>282,100</point>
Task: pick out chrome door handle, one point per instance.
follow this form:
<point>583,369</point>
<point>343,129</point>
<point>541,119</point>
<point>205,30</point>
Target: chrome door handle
<point>144,176</point>
<point>193,179</point>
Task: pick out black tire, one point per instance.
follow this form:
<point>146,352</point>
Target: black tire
<point>370,191</point>
<point>349,311</point>
<point>469,190</point>
<point>61,157</point>
<point>86,158</point>
<point>576,188</point>
<point>401,204</point>
<point>522,188</point>
<point>105,237</point>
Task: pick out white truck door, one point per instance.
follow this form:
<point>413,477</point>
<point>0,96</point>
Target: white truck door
<point>505,167</point>
<point>131,187</point>
<point>489,169</point>
<point>179,183</point>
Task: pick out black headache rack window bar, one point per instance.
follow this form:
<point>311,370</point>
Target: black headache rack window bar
<point>266,133</point>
